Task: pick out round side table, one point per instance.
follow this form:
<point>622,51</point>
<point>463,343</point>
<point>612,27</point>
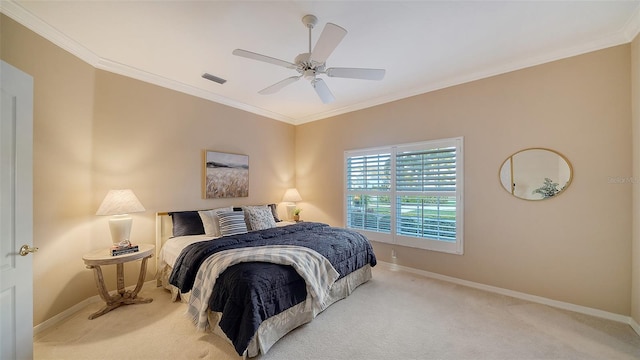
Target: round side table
<point>94,260</point>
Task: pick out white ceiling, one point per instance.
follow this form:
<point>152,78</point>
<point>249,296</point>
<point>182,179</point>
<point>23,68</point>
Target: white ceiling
<point>423,45</point>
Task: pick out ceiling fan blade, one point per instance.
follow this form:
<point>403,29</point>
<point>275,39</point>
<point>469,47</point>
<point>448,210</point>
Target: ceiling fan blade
<point>279,85</point>
<point>260,57</point>
<point>323,91</point>
<point>329,39</point>
<point>356,73</point>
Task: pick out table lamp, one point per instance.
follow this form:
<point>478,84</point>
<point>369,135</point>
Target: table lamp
<point>291,196</point>
<point>119,204</point>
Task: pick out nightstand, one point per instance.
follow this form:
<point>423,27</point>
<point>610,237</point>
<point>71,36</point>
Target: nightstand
<point>97,258</point>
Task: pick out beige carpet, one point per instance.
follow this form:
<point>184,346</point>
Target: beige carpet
<point>394,316</point>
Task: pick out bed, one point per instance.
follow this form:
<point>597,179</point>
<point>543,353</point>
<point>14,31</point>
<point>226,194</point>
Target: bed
<point>261,277</point>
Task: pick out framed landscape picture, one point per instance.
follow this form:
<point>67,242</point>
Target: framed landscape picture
<point>225,175</point>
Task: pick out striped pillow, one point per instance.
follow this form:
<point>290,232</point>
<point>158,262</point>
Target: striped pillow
<point>210,220</point>
<point>232,223</point>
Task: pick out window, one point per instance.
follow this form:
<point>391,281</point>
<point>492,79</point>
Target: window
<point>408,194</point>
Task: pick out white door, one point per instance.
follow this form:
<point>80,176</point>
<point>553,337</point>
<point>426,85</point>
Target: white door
<point>16,214</point>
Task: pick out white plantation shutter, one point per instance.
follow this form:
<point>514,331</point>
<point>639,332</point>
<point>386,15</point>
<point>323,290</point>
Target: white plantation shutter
<point>407,194</point>
<point>369,172</point>
<point>426,192</point>
<point>426,170</point>
<point>368,190</point>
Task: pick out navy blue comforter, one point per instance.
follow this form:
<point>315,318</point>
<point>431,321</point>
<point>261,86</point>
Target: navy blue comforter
<point>248,293</point>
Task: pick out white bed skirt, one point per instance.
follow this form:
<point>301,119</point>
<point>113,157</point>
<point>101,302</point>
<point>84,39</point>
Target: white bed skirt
<point>275,327</point>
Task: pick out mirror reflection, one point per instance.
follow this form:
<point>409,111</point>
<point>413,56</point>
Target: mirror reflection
<point>535,174</point>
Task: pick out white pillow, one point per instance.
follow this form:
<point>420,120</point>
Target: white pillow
<point>210,220</point>
<point>260,217</point>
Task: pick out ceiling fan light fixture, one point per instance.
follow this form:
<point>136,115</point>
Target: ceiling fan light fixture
<point>309,74</point>
<point>313,63</point>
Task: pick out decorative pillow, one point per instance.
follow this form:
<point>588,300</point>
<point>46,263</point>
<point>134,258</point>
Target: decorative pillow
<point>232,223</point>
<point>186,223</point>
<point>259,217</point>
<point>274,211</point>
<point>210,220</point>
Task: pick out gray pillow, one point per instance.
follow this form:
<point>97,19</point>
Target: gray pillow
<point>259,217</point>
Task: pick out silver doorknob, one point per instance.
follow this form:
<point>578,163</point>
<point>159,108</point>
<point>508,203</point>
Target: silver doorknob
<point>26,249</point>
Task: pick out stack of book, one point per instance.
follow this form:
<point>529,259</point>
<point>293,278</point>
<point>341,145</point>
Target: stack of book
<point>121,250</point>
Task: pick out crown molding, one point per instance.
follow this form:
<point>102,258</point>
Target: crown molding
<point>625,35</point>
<point>632,27</point>
<point>12,9</point>
<point>138,74</point>
<point>35,24</point>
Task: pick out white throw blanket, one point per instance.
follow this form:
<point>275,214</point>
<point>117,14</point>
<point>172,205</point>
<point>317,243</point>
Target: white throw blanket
<point>315,269</point>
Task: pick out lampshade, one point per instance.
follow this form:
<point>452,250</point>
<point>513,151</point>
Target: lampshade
<point>291,195</point>
<point>119,202</point>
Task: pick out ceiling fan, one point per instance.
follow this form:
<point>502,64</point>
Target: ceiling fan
<point>313,63</point>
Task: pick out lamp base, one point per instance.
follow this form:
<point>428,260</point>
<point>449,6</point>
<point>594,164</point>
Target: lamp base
<point>120,226</point>
<point>290,208</point>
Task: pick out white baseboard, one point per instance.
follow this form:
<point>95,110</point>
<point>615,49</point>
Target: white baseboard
<point>519,295</point>
<point>56,319</point>
<point>516,294</point>
<point>634,325</point>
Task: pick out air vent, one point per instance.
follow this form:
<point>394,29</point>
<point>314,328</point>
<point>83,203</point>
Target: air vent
<point>214,78</point>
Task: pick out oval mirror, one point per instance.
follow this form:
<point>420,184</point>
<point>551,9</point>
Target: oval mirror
<point>536,174</point>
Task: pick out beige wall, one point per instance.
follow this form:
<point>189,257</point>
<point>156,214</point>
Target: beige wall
<point>94,131</point>
<point>62,151</point>
<point>635,96</point>
<point>574,248</point>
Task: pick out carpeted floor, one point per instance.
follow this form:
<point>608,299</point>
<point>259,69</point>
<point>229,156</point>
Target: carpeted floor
<point>394,316</point>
